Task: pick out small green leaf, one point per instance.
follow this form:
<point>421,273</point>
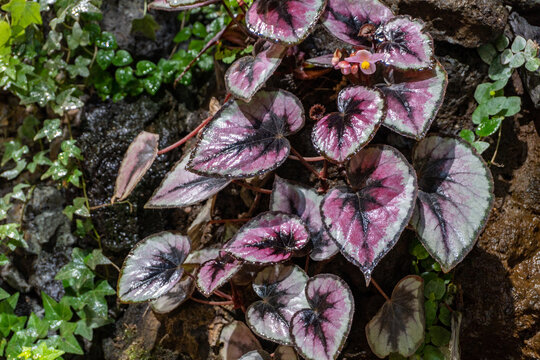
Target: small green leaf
<point>23,13</point>
<point>123,76</point>
<point>439,335</point>
<point>199,30</point>
<point>467,135</point>
<point>80,68</point>
<point>39,326</point>
<point>432,353</point>
<point>531,49</point>
<point>506,56</point>
<point>435,287</point>
<point>96,258</point>
<point>122,58</point>
<point>519,44</point>
<point>152,84</point>
<point>55,311</point>
<point>183,35</point>
<point>532,65</point>
<point>107,41</point>
<point>480,146</point>
<point>480,114</point>
<point>517,60</point>
<point>502,42</point>
<point>51,130</point>
<point>482,93</point>
<point>3,293</point>
<point>5,33</point>
<point>147,26</point>
<point>145,67</point>
<point>489,127</point>
<point>498,71</point>
<point>104,58</point>
<point>512,106</point>
<point>430,307</point>
<point>495,105</point>
<point>445,316</point>
<point>78,208</point>
<point>78,37</point>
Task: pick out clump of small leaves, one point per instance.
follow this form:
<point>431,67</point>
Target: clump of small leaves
<point>444,194</point>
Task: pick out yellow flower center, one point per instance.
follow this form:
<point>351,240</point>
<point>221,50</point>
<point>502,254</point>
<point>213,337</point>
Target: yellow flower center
<point>365,65</point>
<point>492,93</point>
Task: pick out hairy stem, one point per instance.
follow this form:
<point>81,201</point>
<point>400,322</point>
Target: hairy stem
<point>308,159</point>
<point>212,303</point>
<point>224,221</point>
<point>187,137</point>
<point>306,164</point>
<point>251,187</point>
<point>379,289</point>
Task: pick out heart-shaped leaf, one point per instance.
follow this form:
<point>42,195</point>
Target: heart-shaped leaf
<point>179,5</point>
<point>256,355</point>
<point>348,19</point>
<point>454,199</point>
<point>304,202</point>
<point>281,289</point>
<point>181,187</point>
<point>175,297</point>
<point>320,331</point>
<point>399,325</point>
<point>285,21</point>
<point>405,44</point>
<point>412,105</point>
<point>340,135</point>
<point>247,75</point>
<point>269,238</point>
<point>153,267</point>
<point>214,273</point>
<point>367,219</point>
<point>139,157</point>
<point>248,139</point>
<point>237,340</point>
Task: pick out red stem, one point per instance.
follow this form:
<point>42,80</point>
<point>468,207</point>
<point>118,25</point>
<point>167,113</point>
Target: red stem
<point>186,138</point>
<point>306,164</point>
<point>223,295</point>
<point>251,187</point>
<point>379,289</point>
<point>213,303</point>
<point>308,159</point>
<point>227,220</point>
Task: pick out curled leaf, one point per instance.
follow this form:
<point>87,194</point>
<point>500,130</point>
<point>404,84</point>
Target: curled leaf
<point>348,19</point>
<point>269,238</point>
<point>340,135</point>
<point>256,355</point>
<point>248,139</point>
<point>367,219</point>
<point>139,157</point>
<point>248,74</point>
<point>215,273</point>
<point>399,325</point>
<point>305,203</point>
<point>405,44</point>
<point>181,187</point>
<point>175,297</point>
<point>454,199</point>
<point>237,340</point>
<point>153,267</point>
<point>413,104</point>
<point>284,21</point>
<point>281,289</point>
<point>319,332</point>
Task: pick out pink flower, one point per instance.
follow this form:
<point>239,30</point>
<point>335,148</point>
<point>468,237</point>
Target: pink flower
<point>366,60</point>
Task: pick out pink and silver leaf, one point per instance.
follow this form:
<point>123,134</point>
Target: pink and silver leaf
<point>405,43</point>
<point>181,187</point>
<point>284,21</point>
<point>347,19</point>
<point>248,74</point>
<point>256,355</point>
<point>248,139</point>
<point>399,326</point>
<point>319,332</point>
<point>413,104</point>
<point>304,202</point>
<point>454,200</point>
<point>153,267</point>
<point>367,218</point>
<point>237,340</point>
<point>138,158</point>
<point>179,5</point>
<point>269,238</point>
<point>215,273</point>
<point>339,135</point>
<point>175,297</point>
<point>281,289</point>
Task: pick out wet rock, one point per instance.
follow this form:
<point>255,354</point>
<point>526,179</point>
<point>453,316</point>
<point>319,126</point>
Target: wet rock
<point>117,18</point>
<point>13,277</point>
<point>107,130</point>
<point>524,5</point>
<point>521,27</point>
<point>45,268</point>
<point>469,23</point>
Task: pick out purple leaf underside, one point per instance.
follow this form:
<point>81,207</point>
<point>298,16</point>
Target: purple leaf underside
<point>271,237</point>
<point>199,257</point>
<point>320,331</point>
<point>153,267</point>
<point>248,139</point>
<point>305,203</point>
<point>413,105</point>
<point>179,5</point>
<point>256,355</point>
<point>454,200</point>
<point>175,297</point>
<point>399,325</point>
<point>138,158</point>
<point>281,353</point>
<point>237,340</point>
<point>247,75</point>
<point>340,135</point>
<point>284,21</point>
<point>322,61</point>
<point>181,187</point>
<point>405,44</point>
<point>367,218</point>
<point>281,289</point>
<point>345,19</point>
<point>215,273</point>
